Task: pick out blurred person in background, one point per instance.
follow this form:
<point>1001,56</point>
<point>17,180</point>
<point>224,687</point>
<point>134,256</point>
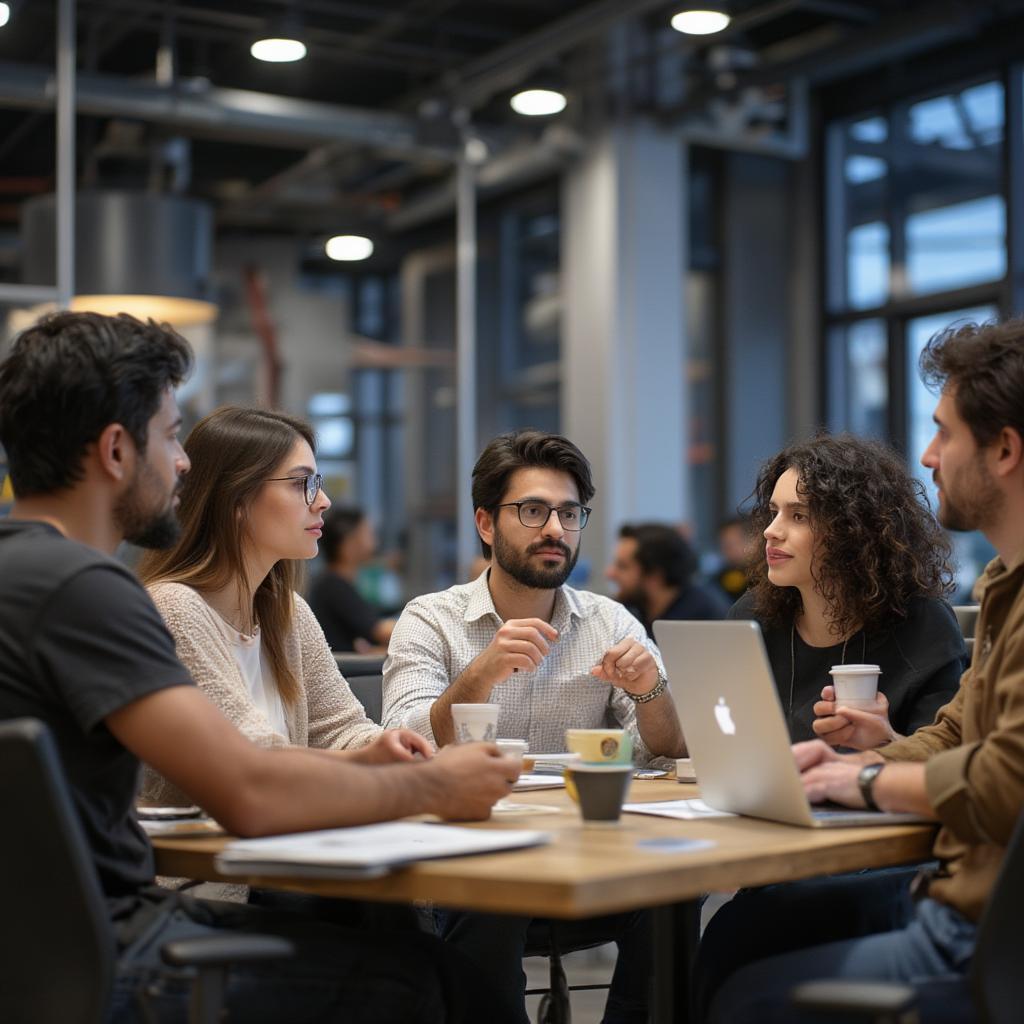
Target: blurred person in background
<point>349,621</point>
<point>734,546</point>
<point>654,569</point>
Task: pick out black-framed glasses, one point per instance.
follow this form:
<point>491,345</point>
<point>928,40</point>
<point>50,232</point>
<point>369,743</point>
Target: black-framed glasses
<point>312,485</point>
<point>536,514</point>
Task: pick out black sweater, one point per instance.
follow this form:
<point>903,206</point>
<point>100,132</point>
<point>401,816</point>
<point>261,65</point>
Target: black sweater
<point>922,658</point>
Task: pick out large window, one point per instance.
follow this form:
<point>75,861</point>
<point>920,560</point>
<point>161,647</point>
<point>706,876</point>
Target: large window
<point>916,240</point>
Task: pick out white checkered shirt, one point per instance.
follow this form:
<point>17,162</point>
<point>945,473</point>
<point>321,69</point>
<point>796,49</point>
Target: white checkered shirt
<point>438,635</point>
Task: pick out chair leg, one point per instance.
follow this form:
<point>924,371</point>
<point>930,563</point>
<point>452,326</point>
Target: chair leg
<point>555,1007</point>
<point>207,999</point>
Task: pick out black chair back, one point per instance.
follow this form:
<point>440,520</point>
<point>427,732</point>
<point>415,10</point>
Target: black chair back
<point>997,980</point>
<point>57,950</point>
<point>364,674</point>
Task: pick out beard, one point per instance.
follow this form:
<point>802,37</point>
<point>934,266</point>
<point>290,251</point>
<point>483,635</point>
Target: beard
<point>517,564</point>
<point>140,524</point>
<point>970,499</point>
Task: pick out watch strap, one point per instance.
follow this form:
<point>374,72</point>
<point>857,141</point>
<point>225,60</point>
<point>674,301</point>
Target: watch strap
<point>866,782</point>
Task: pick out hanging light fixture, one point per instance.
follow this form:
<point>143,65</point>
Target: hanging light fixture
<point>538,102</point>
<point>349,248</point>
<point>703,22</point>
<point>282,43</point>
<point>135,252</point>
<point>5,14</point>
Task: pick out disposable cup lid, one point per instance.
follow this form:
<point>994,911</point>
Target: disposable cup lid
<point>855,670</point>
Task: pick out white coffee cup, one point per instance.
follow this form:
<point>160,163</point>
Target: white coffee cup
<point>475,722</point>
<point>855,685</point>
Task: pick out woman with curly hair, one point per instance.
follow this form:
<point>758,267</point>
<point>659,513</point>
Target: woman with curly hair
<point>853,570</point>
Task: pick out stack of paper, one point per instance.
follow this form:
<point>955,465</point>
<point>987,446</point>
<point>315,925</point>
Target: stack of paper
<point>365,852</point>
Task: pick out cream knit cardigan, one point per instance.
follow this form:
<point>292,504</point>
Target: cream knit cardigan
<point>326,713</point>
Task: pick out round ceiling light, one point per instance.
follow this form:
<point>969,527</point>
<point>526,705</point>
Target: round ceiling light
<point>538,102</point>
<point>278,50</point>
<point>700,23</point>
<point>5,14</point>
<point>349,248</point>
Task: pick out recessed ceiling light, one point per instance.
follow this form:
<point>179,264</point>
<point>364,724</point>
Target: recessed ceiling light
<point>5,14</point>
<point>700,23</point>
<point>278,50</point>
<point>538,102</point>
<point>349,248</point>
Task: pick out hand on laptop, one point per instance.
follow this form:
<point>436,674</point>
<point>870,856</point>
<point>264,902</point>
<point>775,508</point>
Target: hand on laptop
<point>629,665</point>
<point>860,728</point>
<point>827,775</point>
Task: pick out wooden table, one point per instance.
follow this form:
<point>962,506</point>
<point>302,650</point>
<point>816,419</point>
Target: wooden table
<point>585,872</point>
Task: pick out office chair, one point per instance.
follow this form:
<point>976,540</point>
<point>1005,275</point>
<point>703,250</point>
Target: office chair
<point>364,674</point>
<point>993,990</point>
<point>967,618</point>
<point>543,939</point>
<point>57,949</point>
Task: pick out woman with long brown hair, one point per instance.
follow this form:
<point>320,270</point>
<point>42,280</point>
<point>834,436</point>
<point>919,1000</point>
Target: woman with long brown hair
<point>853,569</point>
<point>251,510</point>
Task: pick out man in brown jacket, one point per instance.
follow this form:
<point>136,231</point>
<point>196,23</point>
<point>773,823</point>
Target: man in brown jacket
<point>966,769</point>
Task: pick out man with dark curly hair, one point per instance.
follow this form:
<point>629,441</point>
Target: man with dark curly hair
<point>852,569</point>
<point>966,769</point>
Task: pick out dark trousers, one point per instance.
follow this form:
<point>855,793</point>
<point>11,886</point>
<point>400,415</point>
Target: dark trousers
<point>860,926</point>
<point>497,943</point>
<point>340,972</point>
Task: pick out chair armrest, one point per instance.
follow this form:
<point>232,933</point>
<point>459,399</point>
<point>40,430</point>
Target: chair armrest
<point>865,997</point>
<point>223,950</point>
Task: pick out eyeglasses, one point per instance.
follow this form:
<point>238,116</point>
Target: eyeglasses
<point>536,514</point>
<point>312,485</point>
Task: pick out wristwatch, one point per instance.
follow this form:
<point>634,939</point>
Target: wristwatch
<point>652,694</point>
<point>866,781</point>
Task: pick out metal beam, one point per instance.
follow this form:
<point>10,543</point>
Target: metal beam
<point>465,375</point>
<point>66,60</point>
<point>235,114</point>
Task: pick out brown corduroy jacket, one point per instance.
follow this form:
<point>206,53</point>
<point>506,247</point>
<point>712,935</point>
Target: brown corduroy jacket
<point>974,750</point>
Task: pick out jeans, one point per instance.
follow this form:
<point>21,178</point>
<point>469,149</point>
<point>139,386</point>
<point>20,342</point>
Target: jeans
<point>338,973</point>
<point>862,926</point>
<point>498,943</point>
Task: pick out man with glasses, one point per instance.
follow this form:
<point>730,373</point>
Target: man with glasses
<point>551,656</point>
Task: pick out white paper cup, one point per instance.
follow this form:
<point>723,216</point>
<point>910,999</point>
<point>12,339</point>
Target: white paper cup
<point>855,685</point>
<point>513,748</point>
<point>475,722</point>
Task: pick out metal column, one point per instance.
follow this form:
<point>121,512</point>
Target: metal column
<point>66,59</point>
<point>465,351</point>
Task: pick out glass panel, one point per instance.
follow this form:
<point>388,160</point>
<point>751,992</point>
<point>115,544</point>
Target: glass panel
<point>971,550</point>
<point>951,185</point>
<point>860,186</point>
<point>860,379</point>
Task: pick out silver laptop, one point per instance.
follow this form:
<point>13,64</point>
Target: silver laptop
<point>729,710</point>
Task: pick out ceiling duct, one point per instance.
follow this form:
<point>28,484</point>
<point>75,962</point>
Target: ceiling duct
<point>135,252</point>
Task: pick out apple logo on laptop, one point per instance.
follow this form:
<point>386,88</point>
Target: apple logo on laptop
<point>724,718</point>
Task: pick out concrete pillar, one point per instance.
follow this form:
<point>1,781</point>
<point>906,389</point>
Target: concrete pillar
<point>623,341</point>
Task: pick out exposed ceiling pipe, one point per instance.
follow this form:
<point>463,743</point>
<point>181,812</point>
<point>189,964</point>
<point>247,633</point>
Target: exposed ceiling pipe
<point>236,114</point>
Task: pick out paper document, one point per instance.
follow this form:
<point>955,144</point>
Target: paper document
<point>533,780</point>
<point>685,810</point>
<point>367,851</point>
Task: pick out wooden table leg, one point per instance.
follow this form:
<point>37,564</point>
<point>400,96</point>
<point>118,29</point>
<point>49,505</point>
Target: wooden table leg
<point>676,934</point>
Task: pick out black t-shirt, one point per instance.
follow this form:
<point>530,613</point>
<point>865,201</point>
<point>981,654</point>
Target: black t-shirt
<point>79,639</point>
<point>694,602</point>
<point>344,615</point>
<point>922,658</point>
